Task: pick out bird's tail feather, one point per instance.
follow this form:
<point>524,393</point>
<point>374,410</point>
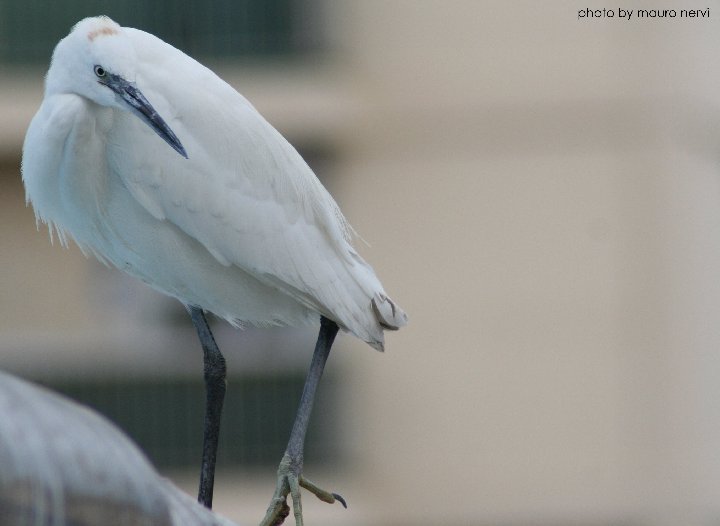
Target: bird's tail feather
<point>388,314</point>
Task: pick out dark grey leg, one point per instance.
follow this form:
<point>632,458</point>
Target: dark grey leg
<point>214,366</point>
<point>290,477</point>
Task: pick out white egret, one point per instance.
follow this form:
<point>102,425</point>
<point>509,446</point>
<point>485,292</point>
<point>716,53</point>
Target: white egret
<point>228,218</point>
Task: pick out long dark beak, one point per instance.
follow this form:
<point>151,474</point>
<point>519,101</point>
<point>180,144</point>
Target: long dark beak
<point>143,109</point>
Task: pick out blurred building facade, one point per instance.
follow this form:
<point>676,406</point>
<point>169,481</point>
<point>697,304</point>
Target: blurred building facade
<point>540,193</point>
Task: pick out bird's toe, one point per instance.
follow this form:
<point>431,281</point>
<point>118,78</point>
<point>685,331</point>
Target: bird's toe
<point>289,482</point>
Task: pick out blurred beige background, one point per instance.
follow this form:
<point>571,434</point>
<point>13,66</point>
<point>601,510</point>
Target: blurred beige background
<point>541,194</point>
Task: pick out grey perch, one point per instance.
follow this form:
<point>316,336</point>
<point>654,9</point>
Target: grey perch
<point>62,464</point>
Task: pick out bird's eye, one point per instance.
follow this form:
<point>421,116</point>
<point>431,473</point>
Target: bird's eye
<point>99,71</point>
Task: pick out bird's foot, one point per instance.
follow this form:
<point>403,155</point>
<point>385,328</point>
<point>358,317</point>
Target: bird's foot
<point>289,482</point>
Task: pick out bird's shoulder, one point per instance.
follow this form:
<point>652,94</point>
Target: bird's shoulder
<point>52,171</point>
<point>48,133</point>
<point>59,113</point>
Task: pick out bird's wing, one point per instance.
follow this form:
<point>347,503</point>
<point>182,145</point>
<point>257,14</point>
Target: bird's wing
<point>245,194</point>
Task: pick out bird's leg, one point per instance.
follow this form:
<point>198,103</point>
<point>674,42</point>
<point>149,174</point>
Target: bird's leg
<point>214,366</point>
<point>290,478</point>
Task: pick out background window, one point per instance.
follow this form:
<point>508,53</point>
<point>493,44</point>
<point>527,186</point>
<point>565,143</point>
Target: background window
<point>220,29</point>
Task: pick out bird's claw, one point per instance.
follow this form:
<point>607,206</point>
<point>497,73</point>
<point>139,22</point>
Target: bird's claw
<point>289,483</point>
<point>340,499</point>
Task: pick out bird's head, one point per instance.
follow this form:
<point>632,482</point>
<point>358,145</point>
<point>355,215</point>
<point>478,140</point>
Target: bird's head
<point>98,61</point>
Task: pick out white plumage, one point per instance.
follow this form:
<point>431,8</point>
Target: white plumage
<point>241,227</point>
<point>63,464</point>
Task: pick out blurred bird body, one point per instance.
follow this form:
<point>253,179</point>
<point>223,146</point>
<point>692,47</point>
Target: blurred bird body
<point>230,219</point>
